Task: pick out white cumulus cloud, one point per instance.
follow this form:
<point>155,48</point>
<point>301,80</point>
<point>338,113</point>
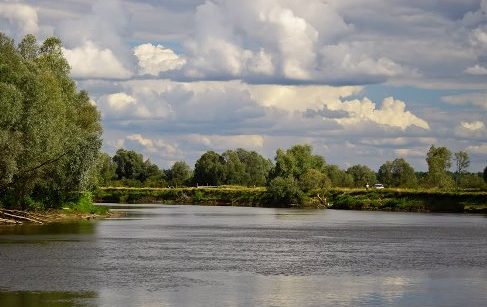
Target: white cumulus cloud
<point>391,113</point>
<point>156,59</point>
<point>476,70</point>
<point>22,18</point>
<point>90,61</point>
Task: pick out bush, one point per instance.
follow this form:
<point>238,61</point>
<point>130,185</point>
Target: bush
<point>285,191</point>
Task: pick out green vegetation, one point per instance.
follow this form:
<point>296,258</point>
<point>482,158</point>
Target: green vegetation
<point>408,200</point>
<point>337,198</point>
<point>50,133</point>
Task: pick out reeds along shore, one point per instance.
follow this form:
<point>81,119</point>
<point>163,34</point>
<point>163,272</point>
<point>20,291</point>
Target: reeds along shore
<point>353,199</point>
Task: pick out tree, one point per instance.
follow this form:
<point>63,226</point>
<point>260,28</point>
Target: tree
<point>462,161</point>
<point>362,175</point>
<point>338,177</point>
<point>439,161</point>
<point>384,175</point>
<point>296,161</point>
<point>50,133</point>
<point>130,165</point>
<point>245,167</point>
<point>284,190</point>
<point>179,174</point>
<point>210,169</point>
<point>485,174</point>
<point>106,169</point>
<point>397,173</point>
<point>313,179</point>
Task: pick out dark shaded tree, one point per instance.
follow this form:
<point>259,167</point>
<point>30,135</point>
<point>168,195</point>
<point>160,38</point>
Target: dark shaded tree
<point>397,173</point>
<point>210,169</point>
<point>362,175</point>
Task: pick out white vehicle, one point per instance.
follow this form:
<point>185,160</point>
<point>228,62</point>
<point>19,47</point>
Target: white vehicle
<point>378,186</point>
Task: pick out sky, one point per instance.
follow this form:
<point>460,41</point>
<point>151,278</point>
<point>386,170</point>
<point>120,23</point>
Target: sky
<point>362,81</point>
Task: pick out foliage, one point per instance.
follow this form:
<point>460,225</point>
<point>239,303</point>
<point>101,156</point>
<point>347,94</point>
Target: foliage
<point>439,161</point>
<point>397,173</point>
<point>244,167</point>
<point>362,175</point>
<point>210,169</point>
<point>297,170</point>
<point>84,204</point>
<point>50,133</point>
<point>338,177</point>
<point>106,170</point>
<point>179,174</point>
<point>485,174</point>
<point>131,166</point>
<point>285,190</point>
<point>462,161</point>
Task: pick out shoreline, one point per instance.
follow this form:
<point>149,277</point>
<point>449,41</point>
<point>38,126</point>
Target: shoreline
<point>23,217</point>
<point>341,199</point>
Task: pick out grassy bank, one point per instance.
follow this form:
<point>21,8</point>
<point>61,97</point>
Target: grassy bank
<point>351,199</point>
<point>407,200</point>
<point>81,209</point>
<point>226,195</point>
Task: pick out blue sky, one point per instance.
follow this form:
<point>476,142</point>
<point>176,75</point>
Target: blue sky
<point>361,81</point>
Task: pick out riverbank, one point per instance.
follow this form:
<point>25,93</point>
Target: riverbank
<point>17,217</point>
<point>347,199</point>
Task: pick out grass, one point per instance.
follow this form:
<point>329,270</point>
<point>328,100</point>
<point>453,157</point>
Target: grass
<point>85,205</point>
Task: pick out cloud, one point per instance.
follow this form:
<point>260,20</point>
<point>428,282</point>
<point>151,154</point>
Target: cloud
<point>392,113</point>
<point>476,70</point>
<point>91,62</point>
<point>475,125</point>
<point>477,149</point>
<point>155,59</point>
<point>121,106</point>
<point>153,145</point>
<point>477,99</point>
<point>22,19</point>
<point>471,129</point>
<point>224,142</point>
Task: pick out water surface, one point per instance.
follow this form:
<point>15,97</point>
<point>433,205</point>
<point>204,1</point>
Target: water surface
<point>229,256</point>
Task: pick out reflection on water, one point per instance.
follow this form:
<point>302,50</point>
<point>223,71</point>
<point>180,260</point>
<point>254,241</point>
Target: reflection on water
<point>47,299</point>
<point>226,256</point>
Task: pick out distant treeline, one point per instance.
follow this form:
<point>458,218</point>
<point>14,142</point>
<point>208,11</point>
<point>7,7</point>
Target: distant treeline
<point>293,173</point>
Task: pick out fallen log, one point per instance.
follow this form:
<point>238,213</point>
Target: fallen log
<point>19,217</point>
<point>8,221</point>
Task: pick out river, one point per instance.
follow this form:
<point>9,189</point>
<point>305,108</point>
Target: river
<point>232,256</point>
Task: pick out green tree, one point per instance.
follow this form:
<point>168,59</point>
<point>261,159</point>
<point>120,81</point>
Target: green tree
<point>246,167</point>
<point>106,169</point>
<point>180,174</point>
<point>397,173</point>
<point>384,175</point>
<point>439,162</point>
<point>130,165</point>
<point>338,177</point>
<point>50,134</point>
<point>485,174</point>
<point>462,161</point>
<point>313,179</point>
<point>210,169</point>
<point>284,190</point>
<point>296,161</point>
<point>362,175</point>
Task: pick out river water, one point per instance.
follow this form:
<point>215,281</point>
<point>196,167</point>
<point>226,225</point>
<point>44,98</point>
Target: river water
<point>230,256</point>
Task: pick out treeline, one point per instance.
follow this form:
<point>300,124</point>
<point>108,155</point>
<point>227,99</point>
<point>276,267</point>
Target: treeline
<point>50,133</point>
<point>293,173</point>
